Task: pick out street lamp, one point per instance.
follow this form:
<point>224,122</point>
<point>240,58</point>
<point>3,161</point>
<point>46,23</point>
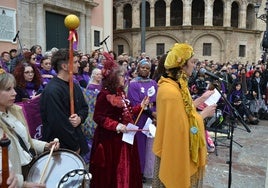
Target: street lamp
<point>263,17</point>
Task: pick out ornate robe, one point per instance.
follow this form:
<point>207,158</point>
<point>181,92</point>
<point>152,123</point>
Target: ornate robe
<point>113,163</point>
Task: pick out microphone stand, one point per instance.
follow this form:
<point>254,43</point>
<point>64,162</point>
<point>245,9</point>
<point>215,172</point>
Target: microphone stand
<point>15,61</point>
<point>104,41</point>
<point>106,46</point>
<point>236,115</point>
<point>18,37</point>
<point>98,49</point>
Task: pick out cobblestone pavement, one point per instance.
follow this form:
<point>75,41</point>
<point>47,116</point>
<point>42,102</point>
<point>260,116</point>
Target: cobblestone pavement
<point>249,160</point>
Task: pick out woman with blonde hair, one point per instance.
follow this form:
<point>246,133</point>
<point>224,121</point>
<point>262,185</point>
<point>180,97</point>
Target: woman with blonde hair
<point>13,124</point>
<point>95,80</point>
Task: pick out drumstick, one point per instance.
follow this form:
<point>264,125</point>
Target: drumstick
<point>41,181</point>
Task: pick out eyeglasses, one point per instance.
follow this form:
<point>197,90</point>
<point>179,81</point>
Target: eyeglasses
<point>29,72</point>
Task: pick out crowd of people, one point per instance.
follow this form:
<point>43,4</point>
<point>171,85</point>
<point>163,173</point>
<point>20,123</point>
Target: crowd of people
<point>244,86</point>
<point>112,92</point>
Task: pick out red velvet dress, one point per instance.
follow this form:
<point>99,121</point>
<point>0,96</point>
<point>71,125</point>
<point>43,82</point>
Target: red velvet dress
<point>113,163</point>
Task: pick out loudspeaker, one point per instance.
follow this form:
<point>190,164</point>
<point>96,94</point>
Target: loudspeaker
<point>265,40</point>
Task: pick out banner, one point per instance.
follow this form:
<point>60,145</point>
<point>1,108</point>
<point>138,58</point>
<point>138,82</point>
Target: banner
<point>31,111</point>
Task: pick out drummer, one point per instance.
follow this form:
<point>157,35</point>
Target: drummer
<point>13,123</point>
<point>12,180</point>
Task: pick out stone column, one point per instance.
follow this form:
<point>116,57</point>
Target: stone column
<point>152,15</point>
<point>227,14</point>
<point>88,40</point>
<point>119,17</point>
<point>40,26</point>
<point>168,14</point>
<point>136,15</point>
<point>82,30</point>
<point>242,16</point>
<point>108,24</point>
<point>187,13</point>
<point>208,14</point>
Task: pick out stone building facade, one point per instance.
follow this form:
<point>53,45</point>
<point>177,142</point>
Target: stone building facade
<point>32,19</point>
<point>219,30</point>
<point>42,22</point>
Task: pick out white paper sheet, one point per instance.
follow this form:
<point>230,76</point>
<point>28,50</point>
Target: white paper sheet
<point>129,136</point>
<point>146,127</point>
<point>149,128</point>
<point>214,98</point>
<point>152,130</point>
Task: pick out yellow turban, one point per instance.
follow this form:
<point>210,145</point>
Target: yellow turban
<point>178,55</point>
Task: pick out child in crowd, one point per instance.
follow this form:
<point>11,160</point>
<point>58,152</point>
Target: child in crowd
<point>46,71</point>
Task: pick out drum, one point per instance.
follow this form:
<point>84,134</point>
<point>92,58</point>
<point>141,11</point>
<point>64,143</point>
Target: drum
<point>62,162</point>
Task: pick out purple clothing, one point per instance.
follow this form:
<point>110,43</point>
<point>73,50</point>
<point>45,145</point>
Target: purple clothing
<point>149,156</point>
<point>75,80</point>
<point>30,91</point>
<point>83,79</point>
<point>78,77</point>
<point>137,90</point>
<point>38,59</point>
<point>4,65</point>
<point>27,92</point>
<point>85,76</point>
<point>94,87</point>
<point>100,66</point>
<point>45,72</point>
<point>88,127</point>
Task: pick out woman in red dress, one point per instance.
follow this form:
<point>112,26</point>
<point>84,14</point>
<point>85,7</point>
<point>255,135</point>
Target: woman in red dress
<point>114,163</point>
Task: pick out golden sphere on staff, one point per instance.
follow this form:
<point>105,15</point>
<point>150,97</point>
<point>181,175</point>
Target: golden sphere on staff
<point>71,22</point>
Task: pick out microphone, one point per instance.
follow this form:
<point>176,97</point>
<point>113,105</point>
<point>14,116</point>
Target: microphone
<point>215,77</point>
<point>16,36</point>
<point>104,40</point>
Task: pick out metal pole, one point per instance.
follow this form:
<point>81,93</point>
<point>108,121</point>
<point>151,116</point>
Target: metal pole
<point>143,24</point>
<point>266,21</point>
<point>266,9</point>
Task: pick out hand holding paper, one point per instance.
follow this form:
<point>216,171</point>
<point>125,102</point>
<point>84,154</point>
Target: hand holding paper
<point>128,137</point>
<point>214,98</point>
<point>149,126</point>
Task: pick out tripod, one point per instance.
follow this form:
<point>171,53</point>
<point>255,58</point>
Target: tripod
<point>217,130</point>
<point>235,115</point>
<point>219,126</point>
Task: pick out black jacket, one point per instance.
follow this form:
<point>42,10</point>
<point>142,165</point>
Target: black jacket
<point>55,113</point>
